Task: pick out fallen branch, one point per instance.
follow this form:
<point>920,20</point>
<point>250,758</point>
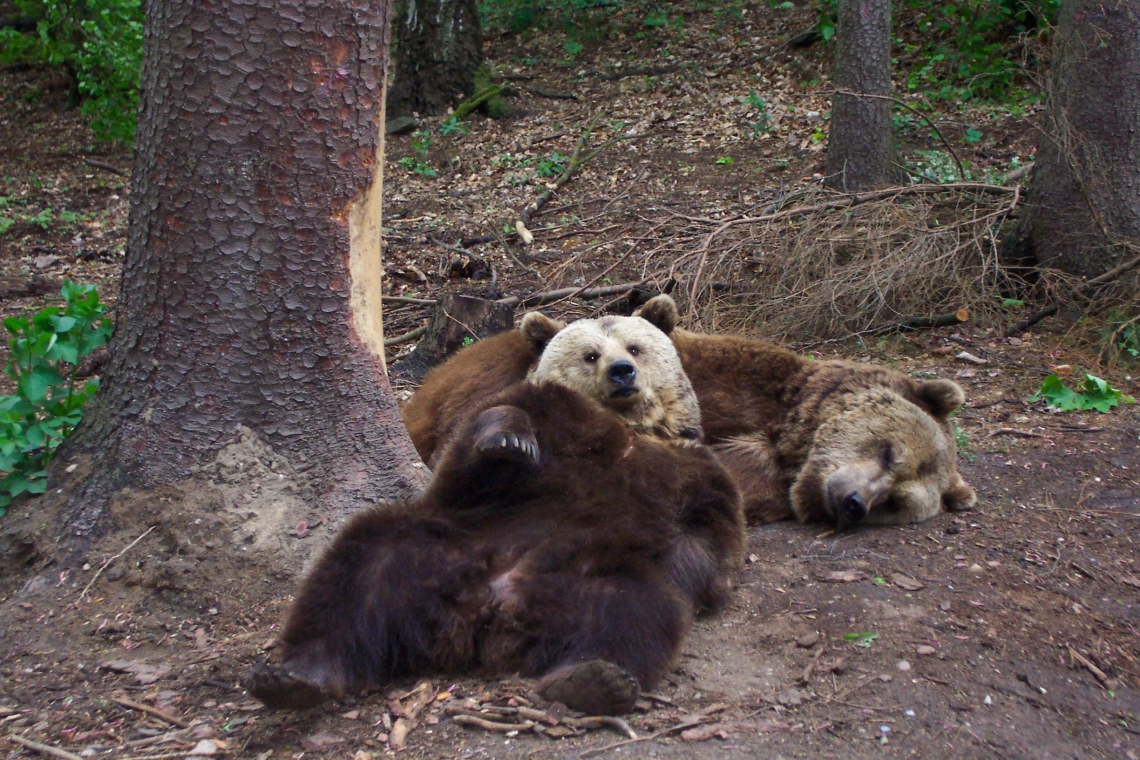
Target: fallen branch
<point>550,95</point>
<point>1100,674</point>
<point>1052,308</point>
<point>538,299</point>
<point>1016,433</point>
<point>108,562</point>
<point>466,107</point>
<point>405,299</point>
<point>104,166</point>
<point>490,725</point>
<point>388,342</point>
<point>151,711</point>
<point>651,71</point>
<point>45,749</point>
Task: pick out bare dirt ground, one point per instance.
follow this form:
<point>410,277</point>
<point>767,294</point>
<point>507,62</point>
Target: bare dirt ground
<point>1009,632</point>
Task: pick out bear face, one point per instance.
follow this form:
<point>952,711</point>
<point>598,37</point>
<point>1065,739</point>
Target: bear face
<point>626,364</point>
<point>880,460</point>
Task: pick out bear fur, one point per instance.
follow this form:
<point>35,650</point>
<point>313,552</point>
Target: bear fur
<point>656,398</point>
<point>474,373</point>
<point>826,441</point>
<point>553,540</point>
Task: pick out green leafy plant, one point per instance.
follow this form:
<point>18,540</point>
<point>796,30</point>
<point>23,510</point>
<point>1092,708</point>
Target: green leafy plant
<point>552,166</point>
<point>972,136</point>
<point>1096,395</point>
<point>864,640</point>
<point>418,164</point>
<point>99,43</point>
<point>962,441</point>
<point>573,48</point>
<point>44,362</point>
<point>725,161</point>
<point>452,126</point>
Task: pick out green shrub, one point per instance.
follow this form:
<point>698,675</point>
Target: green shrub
<point>47,405</point>
<point>99,42</point>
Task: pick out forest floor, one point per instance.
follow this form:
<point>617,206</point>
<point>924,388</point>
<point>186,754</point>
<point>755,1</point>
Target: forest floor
<point>1012,631</point>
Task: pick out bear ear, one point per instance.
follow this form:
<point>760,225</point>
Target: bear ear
<point>940,397</point>
<point>539,329</point>
<point>659,311</point>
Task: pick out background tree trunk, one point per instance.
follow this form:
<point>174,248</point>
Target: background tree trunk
<point>860,153</point>
<point>438,48</point>
<point>251,284</point>
<point>1084,197</point>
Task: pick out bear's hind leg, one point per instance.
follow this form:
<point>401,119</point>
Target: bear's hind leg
<point>596,640</point>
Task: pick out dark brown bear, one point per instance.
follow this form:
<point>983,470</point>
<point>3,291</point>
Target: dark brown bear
<point>473,374</point>
<point>552,541</point>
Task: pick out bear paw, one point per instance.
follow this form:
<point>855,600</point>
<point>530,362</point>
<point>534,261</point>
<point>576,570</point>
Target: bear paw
<point>596,687</point>
<point>505,432</point>
<point>281,690</point>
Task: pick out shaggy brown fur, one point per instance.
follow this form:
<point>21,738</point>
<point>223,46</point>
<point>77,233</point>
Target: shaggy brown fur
<point>475,373</point>
<point>821,440</point>
<point>551,536</point>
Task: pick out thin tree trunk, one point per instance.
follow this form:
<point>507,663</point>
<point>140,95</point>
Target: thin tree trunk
<point>438,48</point>
<point>1084,198</point>
<point>251,286</point>
<point>860,153</point>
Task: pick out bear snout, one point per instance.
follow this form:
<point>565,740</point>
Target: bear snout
<point>854,507</point>
<point>623,374</point>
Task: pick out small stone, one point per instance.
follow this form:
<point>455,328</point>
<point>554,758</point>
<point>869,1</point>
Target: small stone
<point>945,606</point>
<point>903,665</point>
<point>993,563</point>
<point>401,125</point>
<point>116,573</point>
<point>988,700</point>
<point>976,568</point>
<point>204,747</point>
<point>886,678</point>
<point>926,650</point>
<point>808,640</point>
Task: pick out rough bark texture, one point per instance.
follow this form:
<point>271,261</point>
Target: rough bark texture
<point>250,291</point>
<point>860,153</point>
<point>1086,178</point>
<point>438,48</point>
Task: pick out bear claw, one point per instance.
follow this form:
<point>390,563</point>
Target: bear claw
<point>279,689</point>
<point>596,687</point>
<point>506,433</point>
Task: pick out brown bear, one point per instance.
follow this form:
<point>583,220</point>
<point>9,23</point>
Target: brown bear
<point>623,362</point>
<point>553,540</point>
<point>821,440</point>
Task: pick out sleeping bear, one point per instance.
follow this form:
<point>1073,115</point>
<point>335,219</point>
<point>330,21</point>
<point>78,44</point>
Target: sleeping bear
<point>829,441</point>
<point>570,532</point>
<point>815,440</point>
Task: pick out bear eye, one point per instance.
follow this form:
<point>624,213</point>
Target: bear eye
<point>592,357</point>
<point>887,457</point>
<point>634,350</point>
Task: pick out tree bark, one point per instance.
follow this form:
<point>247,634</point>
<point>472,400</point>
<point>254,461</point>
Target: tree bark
<point>860,152</point>
<point>251,285</point>
<point>438,49</point>
<point>1084,198</point>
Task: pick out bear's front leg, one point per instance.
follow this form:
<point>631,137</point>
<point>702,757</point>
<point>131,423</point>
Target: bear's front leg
<point>490,462</point>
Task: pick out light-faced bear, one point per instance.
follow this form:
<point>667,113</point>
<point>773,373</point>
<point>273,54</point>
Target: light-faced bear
<point>825,441</point>
<point>554,540</point>
<point>647,387</point>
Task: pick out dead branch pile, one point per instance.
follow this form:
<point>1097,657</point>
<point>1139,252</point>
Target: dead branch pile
<point>822,264</point>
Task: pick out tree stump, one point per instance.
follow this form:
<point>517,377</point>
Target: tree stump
<point>457,321</point>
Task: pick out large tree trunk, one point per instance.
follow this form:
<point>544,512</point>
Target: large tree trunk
<point>438,48</point>
<point>860,153</point>
<point>1084,198</point>
<point>251,285</point>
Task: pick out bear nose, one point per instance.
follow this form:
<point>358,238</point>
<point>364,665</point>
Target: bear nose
<point>622,372</point>
<point>854,508</point>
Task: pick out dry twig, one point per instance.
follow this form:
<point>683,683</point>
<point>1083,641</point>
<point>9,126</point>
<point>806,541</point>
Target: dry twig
<point>45,749</point>
<point>99,572</point>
